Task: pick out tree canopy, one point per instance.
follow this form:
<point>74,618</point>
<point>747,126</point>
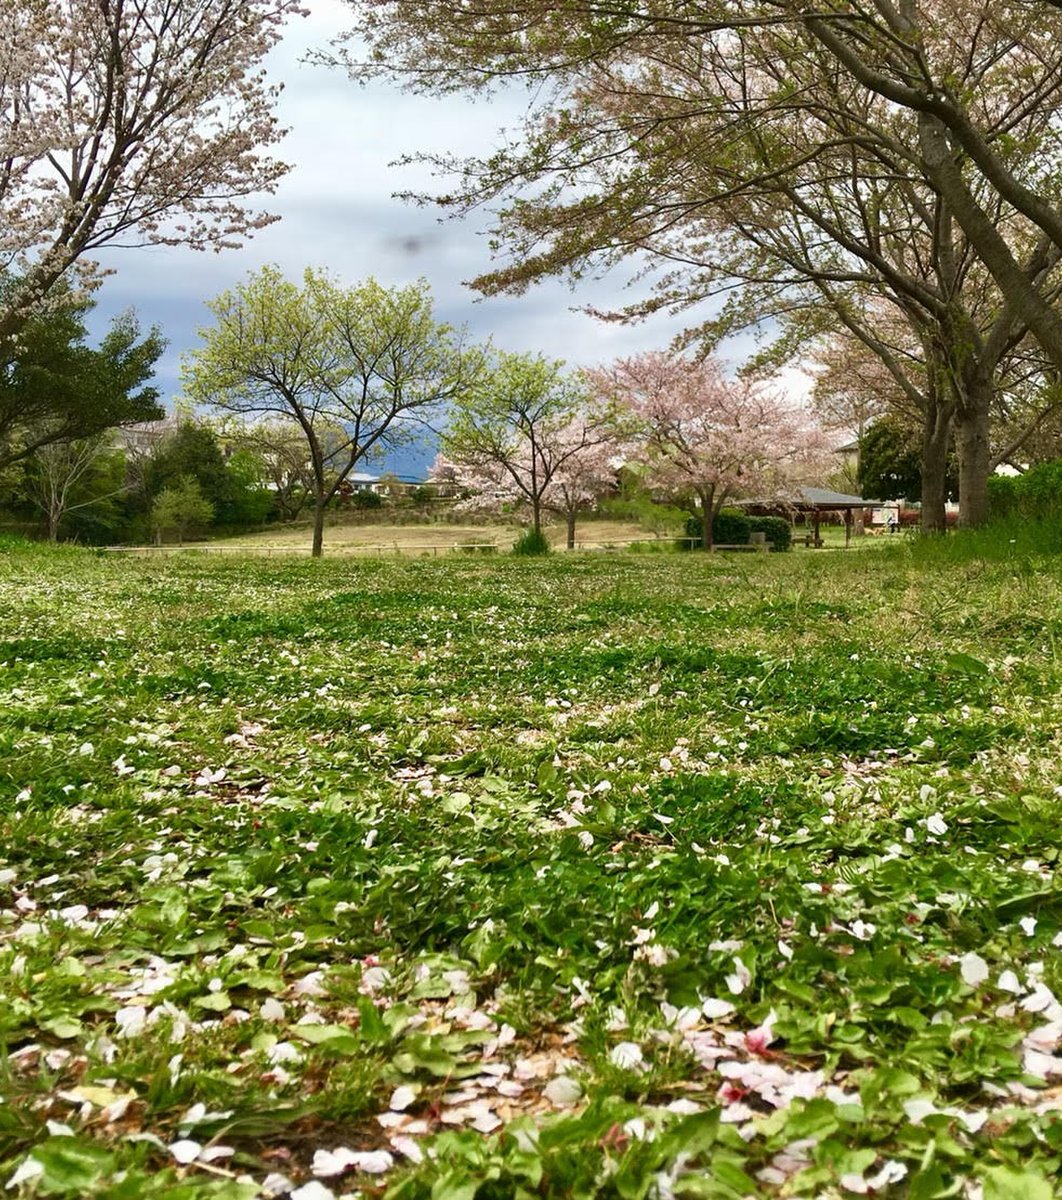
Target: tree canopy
<point>355,370</point>
<point>127,123</point>
<point>54,387</point>
<point>817,158</point>
<point>527,431</point>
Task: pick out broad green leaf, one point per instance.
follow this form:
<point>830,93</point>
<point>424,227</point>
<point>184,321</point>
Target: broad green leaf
<point>1014,1183</point>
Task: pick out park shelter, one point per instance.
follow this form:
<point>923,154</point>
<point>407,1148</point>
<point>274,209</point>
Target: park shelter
<point>813,502</point>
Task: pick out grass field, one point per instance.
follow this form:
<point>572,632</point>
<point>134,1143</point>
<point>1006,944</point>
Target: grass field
<point>375,538</point>
<point>604,875</point>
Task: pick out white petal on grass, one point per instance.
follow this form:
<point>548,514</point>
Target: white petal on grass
<point>918,1109</point>
<point>563,1091</point>
<point>714,1009</point>
<point>332,1162</point>
<point>276,1184</point>
<point>193,1116</point>
<point>936,825</point>
<point>627,1055</point>
<point>402,1097</point>
<point>212,1153</point>
<point>409,1147</point>
<point>1028,925</point>
<point>1009,982</point>
<point>892,1172</point>
<point>740,979</point>
<point>1043,1066</point>
<point>271,1010</point>
<point>313,1191</point>
<point>29,1168</point>
<point>131,1020</point>
<point>1039,999</point>
<point>185,1151</point>
<point>375,1162</point>
<point>973,968</point>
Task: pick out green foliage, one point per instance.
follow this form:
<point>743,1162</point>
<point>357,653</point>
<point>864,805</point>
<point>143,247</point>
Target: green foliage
<point>191,451</point>
<point>249,502</point>
<point>730,527</point>
<point>890,462</point>
<point>1034,496</point>
<point>531,542</point>
<point>54,387</point>
<point>361,498</point>
<point>440,823</point>
<point>652,516</point>
<point>778,530</point>
<point>350,370</point>
<point>180,509</point>
<point>1003,539</point>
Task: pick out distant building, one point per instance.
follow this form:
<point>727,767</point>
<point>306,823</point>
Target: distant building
<point>144,436</point>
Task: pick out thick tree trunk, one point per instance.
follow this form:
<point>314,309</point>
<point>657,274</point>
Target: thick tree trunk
<point>975,464</point>
<point>536,516</point>
<point>318,527</point>
<point>571,529</point>
<point>54,518</point>
<point>936,437</point>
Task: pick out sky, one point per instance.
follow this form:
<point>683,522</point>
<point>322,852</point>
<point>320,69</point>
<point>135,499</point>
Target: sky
<point>337,210</point>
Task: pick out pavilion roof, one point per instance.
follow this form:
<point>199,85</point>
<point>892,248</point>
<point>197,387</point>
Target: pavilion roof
<point>810,498</point>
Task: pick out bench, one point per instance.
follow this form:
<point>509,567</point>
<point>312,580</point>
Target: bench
<point>763,547</point>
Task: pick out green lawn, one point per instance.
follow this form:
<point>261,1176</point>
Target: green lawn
<point>605,875</point>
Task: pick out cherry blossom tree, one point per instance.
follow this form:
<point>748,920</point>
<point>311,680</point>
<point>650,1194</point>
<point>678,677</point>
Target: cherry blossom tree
<point>706,438</point>
<point>529,433</point>
<point>585,476</point>
<point>129,122</point>
<point>586,450</point>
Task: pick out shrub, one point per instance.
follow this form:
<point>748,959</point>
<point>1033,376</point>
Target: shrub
<point>533,541</point>
<point>1002,496</point>
<point>363,499</point>
<point>729,528</point>
<point>1034,496</point>
<point>778,530</point>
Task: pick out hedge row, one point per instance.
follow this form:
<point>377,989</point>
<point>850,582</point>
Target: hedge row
<point>732,527</point>
<point>1034,496</point>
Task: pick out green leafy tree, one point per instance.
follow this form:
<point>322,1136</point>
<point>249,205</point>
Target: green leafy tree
<point>355,370</point>
<point>251,502</point>
<point>805,162</point>
<point>890,464</point>
<point>54,387</point>
<point>192,451</point>
<point>67,478</point>
<point>179,509</point>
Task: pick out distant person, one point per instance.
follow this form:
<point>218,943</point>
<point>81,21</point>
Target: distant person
<point>893,523</point>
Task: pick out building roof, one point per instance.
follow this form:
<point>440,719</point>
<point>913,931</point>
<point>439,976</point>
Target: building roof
<point>824,498</point>
<point>806,498</point>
